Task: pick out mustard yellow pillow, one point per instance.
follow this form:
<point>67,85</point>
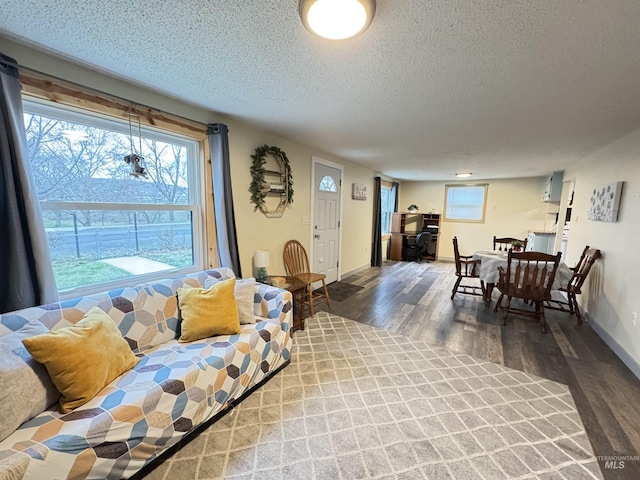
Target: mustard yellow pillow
<point>208,312</point>
<point>84,358</point>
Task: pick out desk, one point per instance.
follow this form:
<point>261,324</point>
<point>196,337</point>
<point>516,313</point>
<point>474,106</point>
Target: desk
<point>298,290</point>
<point>488,273</point>
<point>398,247</point>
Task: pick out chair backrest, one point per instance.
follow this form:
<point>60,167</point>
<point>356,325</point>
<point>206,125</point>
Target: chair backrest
<point>505,243</point>
<point>422,241</point>
<point>295,258</point>
<point>532,271</point>
<point>456,255</point>
<point>582,268</point>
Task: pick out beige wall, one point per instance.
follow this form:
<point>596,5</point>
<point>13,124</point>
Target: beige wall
<point>514,207</point>
<point>612,292</point>
<point>255,231</point>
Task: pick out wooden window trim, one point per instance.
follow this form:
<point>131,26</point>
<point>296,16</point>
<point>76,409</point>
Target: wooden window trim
<point>42,86</point>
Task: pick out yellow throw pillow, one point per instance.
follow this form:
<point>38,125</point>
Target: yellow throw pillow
<point>208,312</point>
<point>84,358</point>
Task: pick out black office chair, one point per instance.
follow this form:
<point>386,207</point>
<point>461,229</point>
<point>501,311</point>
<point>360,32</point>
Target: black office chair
<point>421,246</point>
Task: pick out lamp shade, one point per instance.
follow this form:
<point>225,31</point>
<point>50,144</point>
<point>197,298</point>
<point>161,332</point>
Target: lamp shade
<point>261,258</point>
<point>337,19</point>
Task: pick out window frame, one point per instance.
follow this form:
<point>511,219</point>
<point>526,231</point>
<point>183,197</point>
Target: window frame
<point>391,211</point>
<point>447,187</point>
<point>39,106</point>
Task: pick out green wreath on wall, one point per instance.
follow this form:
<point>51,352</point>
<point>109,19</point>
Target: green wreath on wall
<point>258,172</point>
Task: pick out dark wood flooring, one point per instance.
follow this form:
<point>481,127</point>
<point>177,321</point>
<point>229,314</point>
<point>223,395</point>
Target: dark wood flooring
<point>413,299</point>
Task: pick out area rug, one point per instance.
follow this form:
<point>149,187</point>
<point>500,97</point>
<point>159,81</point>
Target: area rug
<point>360,402</point>
<point>340,291</point>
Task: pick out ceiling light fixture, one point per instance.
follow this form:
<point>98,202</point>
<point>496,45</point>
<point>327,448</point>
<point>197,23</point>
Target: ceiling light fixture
<point>462,175</point>
<point>337,19</point>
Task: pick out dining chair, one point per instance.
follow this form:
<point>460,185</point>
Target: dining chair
<point>529,276</point>
<point>505,243</point>
<point>466,268</point>
<point>296,263</point>
<point>574,286</point>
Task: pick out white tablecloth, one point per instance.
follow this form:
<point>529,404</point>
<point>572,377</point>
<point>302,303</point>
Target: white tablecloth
<point>491,260</point>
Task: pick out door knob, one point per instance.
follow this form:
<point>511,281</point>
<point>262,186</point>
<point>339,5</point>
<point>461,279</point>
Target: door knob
<point>317,235</point>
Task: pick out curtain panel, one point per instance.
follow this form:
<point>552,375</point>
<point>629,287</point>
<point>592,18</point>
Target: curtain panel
<point>223,198</point>
<point>395,189</point>
<point>26,274</point>
<point>376,247</point>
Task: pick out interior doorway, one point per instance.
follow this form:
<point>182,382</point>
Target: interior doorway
<point>326,199</point>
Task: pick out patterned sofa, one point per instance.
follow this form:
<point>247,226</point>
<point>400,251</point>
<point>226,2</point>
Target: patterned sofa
<point>174,388</point>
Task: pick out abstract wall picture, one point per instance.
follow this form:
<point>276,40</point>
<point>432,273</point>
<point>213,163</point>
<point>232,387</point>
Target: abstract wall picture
<point>605,203</point>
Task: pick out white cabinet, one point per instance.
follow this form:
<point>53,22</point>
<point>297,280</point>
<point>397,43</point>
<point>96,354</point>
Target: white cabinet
<point>541,242</point>
<point>552,187</point>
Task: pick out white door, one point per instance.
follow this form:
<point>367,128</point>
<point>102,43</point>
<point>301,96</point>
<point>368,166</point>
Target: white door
<point>326,221</point>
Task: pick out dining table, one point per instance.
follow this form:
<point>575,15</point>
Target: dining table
<point>490,260</point>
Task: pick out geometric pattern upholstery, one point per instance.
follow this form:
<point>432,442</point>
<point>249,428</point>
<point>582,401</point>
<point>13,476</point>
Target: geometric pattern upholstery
<point>173,388</point>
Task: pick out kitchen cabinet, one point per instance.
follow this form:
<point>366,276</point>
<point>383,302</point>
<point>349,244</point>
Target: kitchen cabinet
<point>552,187</point>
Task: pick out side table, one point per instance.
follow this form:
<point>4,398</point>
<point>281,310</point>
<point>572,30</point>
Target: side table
<point>298,290</point>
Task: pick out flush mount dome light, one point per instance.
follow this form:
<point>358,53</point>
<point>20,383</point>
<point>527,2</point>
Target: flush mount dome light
<point>337,19</point>
<point>463,174</point>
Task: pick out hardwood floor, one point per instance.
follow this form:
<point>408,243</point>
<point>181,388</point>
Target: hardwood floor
<point>413,299</point>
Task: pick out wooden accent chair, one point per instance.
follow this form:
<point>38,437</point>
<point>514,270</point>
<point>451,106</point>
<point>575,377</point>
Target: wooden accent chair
<point>574,287</point>
<point>529,276</point>
<point>466,268</point>
<point>505,243</point>
<point>296,262</point>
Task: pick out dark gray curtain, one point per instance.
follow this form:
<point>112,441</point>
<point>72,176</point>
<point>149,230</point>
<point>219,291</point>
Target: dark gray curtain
<point>26,275</point>
<point>376,247</point>
<point>395,189</point>
<point>223,198</point>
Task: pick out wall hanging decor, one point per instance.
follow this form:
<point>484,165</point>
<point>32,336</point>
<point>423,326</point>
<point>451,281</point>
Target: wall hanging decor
<point>271,177</point>
<point>605,203</point>
<point>358,191</point>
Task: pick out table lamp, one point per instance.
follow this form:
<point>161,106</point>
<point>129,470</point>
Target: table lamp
<point>261,261</point>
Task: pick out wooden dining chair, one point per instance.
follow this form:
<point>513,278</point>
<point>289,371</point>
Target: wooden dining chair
<point>466,267</point>
<point>529,276</point>
<point>296,263</point>
<point>574,286</point>
<point>505,243</point>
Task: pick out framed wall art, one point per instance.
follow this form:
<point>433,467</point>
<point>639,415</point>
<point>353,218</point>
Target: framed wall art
<point>359,192</point>
<point>605,203</point>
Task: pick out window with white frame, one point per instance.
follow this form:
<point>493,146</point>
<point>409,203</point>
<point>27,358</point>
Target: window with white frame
<point>465,203</point>
<point>102,223</point>
<point>387,200</point>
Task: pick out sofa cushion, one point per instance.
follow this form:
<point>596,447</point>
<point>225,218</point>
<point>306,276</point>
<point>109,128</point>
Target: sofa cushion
<point>27,389</point>
<point>208,312</point>
<point>84,358</point>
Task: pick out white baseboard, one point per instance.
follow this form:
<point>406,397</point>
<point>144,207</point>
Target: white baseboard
<point>359,269</point>
<point>618,349</point>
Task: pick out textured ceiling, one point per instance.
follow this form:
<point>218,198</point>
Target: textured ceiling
<point>501,88</point>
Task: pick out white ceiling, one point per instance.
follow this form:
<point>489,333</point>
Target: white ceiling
<point>500,88</point>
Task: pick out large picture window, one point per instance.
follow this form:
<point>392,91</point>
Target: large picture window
<point>102,223</point>
<point>465,203</point>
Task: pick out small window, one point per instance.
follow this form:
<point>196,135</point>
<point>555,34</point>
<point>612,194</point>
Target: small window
<point>465,203</point>
<point>387,206</point>
<point>328,184</point>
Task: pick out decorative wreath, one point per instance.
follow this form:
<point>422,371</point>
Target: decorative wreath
<point>258,193</point>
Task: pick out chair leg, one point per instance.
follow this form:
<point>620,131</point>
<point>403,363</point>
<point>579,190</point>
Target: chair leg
<point>310,293</point>
<point>499,302</point>
<point>506,311</point>
<point>455,287</point>
<point>326,294</point>
<point>576,308</point>
<point>543,320</point>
